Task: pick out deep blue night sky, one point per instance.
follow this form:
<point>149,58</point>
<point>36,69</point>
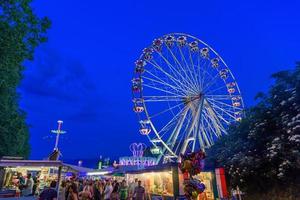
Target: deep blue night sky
<point>82,74</point>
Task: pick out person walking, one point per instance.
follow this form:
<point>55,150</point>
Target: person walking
<point>139,192</point>
<point>49,193</point>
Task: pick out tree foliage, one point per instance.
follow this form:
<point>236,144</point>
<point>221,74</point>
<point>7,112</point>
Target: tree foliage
<point>21,31</point>
<point>262,152</point>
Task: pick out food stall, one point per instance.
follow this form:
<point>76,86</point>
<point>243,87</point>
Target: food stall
<point>166,181</point>
<point>12,171</point>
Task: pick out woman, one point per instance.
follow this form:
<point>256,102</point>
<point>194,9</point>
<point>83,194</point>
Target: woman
<point>86,193</point>
<point>62,192</point>
<point>115,193</point>
<point>97,190</point>
<point>73,193</point>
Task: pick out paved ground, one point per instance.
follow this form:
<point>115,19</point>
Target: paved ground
<point>21,198</point>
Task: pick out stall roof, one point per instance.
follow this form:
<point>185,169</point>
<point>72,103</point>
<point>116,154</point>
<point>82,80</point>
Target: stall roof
<point>33,163</point>
<point>160,167</point>
<point>136,169</point>
<point>78,168</point>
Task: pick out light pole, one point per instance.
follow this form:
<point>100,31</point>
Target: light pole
<point>58,132</point>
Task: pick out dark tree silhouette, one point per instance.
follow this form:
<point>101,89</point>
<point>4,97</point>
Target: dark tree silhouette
<point>21,31</point>
<point>263,151</point>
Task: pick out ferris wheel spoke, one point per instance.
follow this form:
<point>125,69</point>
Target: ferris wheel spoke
<point>159,89</point>
<point>221,97</point>
<point>179,90</point>
<point>196,116</point>
<point>215,90</point>
<point>209,132</point>
<point>211,123</point>
<point>206,138</point>
<point>220,116</point>
<point>186,78</point>
<point>180,137</point>
<point>199,74</point>
<point>183,87</point>
<point>166,110</point>
<point>215,120</point>
<point>157,66</point>
<point>162,98</point>
<point>200,133</point>
<point>209,84</point>
<point>221,108</point>
<point>227,112</point>
<point>195,131</point>
<point>221,103</point>
<point>194,73</point>
<point>188,69</point>
<point>202,72</point>
<point>174,135</point>
<point>174,80</point>
<point>177,74</point>
<point>171,121</point>
<point>162,142</point>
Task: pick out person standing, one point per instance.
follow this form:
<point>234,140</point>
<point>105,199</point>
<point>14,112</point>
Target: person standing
<point>28,186</point>
<point>49,193</point>
<point>97,190</point>
<point>62,191</point>
<point>123,191</point>
<point>86,193</point>
<point>115,193</point>
<point>108,190</point>
<point>73,192</point>
<point>131,189</point>
<point>139,192</point>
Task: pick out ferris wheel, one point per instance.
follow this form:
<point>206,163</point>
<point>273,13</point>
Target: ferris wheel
<point>184,94</point>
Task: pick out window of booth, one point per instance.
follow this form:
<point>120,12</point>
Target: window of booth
<point>158,183</point>
<point>44,176</point>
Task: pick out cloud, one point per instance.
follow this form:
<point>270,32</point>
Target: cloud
<point>54,76</point>
<point>63,85</point>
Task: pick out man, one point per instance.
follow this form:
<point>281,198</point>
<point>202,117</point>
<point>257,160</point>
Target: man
<point>131,188</point>
<point>21,181</point>
<point>139,192</point>
<point>49,193</point>
<point>28,186</point>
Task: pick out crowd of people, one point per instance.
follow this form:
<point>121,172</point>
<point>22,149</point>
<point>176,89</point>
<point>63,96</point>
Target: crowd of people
<point>95,190</point>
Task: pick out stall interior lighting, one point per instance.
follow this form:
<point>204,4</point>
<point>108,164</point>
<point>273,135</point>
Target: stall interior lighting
<point>97,173</point>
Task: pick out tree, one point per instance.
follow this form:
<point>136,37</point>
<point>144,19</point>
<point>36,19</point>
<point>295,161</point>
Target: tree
<point>21,31</point>
<point>262,151</point>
